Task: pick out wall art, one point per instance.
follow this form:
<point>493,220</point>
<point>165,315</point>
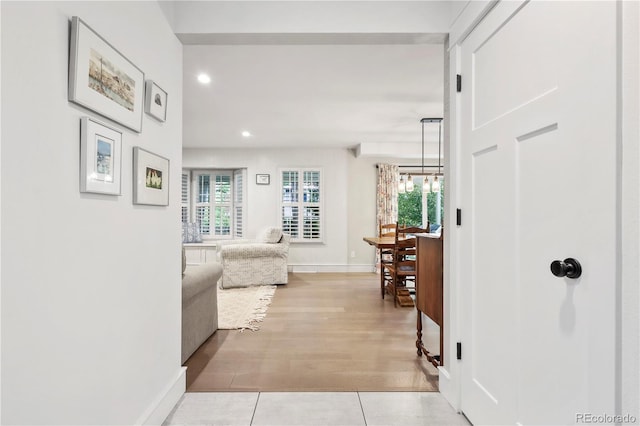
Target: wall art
<point>102,79</point>
<point>263,179</point>
<point>155,103</point>
<point>150,178</point>
<point>100,157</point>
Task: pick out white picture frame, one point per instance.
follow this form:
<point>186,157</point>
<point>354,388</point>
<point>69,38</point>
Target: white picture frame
<point>263,179</point>
<point>155,101</point>
<point>102,79</point>
<point>100,157</point>
<point>150,178</point>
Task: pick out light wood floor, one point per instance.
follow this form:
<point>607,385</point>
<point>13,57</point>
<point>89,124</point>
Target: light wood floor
<point>323,332</point>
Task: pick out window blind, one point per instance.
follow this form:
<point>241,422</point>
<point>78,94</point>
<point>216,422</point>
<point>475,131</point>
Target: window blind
<point>301,204</point>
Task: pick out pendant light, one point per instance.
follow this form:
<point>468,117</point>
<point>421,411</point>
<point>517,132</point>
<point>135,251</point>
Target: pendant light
<point>426,187</point>
<point>401,186</point>
<point>436,183</point>
<point>409,184</point>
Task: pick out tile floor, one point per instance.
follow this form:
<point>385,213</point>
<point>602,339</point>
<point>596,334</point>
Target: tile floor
<point>314,408</point>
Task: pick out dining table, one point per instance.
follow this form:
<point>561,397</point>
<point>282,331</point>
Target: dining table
<point>381,242</point>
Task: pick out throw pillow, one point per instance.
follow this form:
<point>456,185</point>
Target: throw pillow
<point>271,235</point>
<point>191,233</point>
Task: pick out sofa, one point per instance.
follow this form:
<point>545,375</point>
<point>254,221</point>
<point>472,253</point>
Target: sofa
<point>261,261</point>
<point>199,304</point>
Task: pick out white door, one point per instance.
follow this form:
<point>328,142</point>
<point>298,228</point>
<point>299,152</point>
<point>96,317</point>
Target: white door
<point>538,135</point>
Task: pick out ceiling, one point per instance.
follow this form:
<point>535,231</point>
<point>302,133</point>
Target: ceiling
<point>312,92</point>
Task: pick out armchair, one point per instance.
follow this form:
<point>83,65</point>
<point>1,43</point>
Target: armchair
<point>261,261</point>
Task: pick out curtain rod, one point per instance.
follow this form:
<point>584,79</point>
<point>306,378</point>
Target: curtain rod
<point>421,174</point>
<point>417,166</point>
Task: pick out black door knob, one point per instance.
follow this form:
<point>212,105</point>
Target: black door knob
<point>569,268</point>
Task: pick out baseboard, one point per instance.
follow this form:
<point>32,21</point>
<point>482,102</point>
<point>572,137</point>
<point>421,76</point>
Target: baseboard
<point>160,409</point>
<point>448,388</point>
<point>331,268</point>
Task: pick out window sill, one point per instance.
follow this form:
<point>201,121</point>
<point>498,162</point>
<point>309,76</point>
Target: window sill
<point>202,244</point>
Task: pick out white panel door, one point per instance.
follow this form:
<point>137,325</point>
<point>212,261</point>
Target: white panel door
<point>538,153</point>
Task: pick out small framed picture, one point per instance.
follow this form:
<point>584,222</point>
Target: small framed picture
<point>150,178</point>
<point>263,179</point>
<point>100,157</point>
<point>155,101</point>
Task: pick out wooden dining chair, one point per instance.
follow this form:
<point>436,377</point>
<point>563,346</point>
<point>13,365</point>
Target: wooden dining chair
<point>410,253</point>
<point>387,229</point>
<point>386,255</point>
<point>402,269</point>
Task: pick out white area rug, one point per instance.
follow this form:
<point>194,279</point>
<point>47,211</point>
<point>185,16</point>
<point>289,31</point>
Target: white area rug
<point>244,308</point>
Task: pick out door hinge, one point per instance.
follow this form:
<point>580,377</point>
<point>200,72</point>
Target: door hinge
<point>458,83</point>
<point>459,217</point>
<point>459,350</point>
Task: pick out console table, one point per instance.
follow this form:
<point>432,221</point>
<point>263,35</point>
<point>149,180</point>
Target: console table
<point>429,290</point>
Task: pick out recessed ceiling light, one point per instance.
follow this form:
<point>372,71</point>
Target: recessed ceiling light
<point>246,134</point>
<point>204,79</point>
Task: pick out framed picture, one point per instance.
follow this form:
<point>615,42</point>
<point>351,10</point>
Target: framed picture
<point>263,179</point>
<point>100,157</point>
<point>150,178</point>
<point>155,101</point>
<point>102,79</point>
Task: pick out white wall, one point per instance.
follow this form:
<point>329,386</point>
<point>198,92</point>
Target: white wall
<point>361,210</point>
<point>169,10</point>
<point>91,300</point>
<point>0,221</point>
<point>262,201</point>
<point>197,17</point>
<point>456,9</point>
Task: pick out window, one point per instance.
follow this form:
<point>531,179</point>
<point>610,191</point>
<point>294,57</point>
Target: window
<point>301,204</point>
<point>202,185</point>
<point>413,205</point>
<point>216,197</point>
<point>185,196</point>
<point>238,202</point>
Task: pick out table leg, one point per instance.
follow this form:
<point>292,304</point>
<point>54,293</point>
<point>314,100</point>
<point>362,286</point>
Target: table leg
<point>381,277</point>
<point>419,344</point>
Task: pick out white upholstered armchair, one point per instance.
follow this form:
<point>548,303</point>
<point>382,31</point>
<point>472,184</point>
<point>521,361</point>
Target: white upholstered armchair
<point>255,262</point>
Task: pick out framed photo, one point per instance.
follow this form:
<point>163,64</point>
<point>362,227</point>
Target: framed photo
<point>102,79</point>
<point>100,157</point>
<point>155,101</point>
<point>263,179</point>
<point>150,178</point>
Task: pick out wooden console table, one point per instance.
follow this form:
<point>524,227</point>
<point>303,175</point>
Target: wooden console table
<point>429,290</point>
